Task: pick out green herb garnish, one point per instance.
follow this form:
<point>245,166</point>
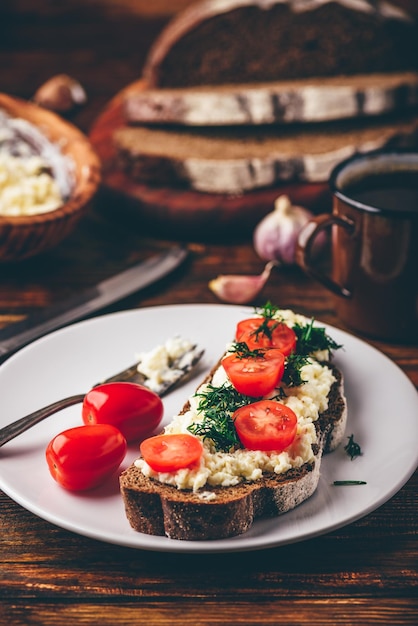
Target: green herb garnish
<point>292,376</point>
<point>341,483</point>
<point>352,448</point>
<point>267,312</point>
<point>312,338</point>
<point>242,351</point>
<point>217,404</point>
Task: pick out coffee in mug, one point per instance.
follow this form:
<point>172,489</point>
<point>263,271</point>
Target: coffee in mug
<point>374,233</point>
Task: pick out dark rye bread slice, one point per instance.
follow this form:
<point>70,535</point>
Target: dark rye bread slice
<point>236,159</point>
<point>287,101</point>
<point>158,509</point>
<point>243,41</point>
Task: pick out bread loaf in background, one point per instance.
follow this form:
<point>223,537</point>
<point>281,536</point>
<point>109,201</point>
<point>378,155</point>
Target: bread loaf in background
<point>237,159</point>
<point>240,95</point>
<point>287,101</point>
<point>242,41</point>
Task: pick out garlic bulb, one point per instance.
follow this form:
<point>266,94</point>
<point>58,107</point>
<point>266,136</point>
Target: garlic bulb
<point>238,288</point>
<point>61,94</point>
<point>276,235</point>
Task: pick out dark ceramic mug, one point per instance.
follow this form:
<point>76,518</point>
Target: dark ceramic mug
<point>374,227</point>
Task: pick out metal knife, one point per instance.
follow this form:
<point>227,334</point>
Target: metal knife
<point>18,334</point>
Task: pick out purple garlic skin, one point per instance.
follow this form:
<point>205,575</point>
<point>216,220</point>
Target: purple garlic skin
<point>240,288</point>
<point>275,237</point>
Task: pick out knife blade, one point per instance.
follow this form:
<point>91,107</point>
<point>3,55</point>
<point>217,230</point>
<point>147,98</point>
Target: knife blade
<point>90,300</point>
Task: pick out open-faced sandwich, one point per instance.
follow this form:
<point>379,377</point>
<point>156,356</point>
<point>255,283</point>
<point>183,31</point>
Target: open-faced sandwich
<point>249,442</point>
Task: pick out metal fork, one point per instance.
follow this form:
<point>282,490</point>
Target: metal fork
<point>180,368</point>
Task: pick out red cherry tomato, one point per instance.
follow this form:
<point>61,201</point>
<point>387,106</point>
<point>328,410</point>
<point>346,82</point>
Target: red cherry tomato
<point>262,333</point>
<point>81,458</point>
<point>265,425</point>
<point>255,376</point>
<point>169,453</point>
<point>134,409</point>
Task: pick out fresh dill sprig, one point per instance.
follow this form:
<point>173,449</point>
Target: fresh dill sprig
<point>352,448</point>
<point>217,404</point>
<point>242,351</point>
<point>292,376</point>
<point>312,338</point>
<point>267,313</point>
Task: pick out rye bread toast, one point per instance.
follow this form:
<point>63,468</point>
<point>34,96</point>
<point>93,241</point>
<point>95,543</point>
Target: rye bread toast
<point>159,509</point>
<point>216,512</point>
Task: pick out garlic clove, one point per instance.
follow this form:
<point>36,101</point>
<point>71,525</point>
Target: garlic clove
<point>238,288</point>
<point>275,236</point>
<point>61,94</point>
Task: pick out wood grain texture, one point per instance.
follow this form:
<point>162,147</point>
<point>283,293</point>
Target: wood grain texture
<point>217,613</point>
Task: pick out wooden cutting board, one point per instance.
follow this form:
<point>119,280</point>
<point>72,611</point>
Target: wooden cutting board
<point>186,214</point>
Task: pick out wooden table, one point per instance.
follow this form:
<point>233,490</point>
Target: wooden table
<point>364,573</point>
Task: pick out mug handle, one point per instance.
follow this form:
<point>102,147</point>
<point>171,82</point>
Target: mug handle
<point>304,248</point>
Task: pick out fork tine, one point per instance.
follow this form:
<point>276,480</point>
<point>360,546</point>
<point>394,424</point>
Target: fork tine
<point>129,375</point>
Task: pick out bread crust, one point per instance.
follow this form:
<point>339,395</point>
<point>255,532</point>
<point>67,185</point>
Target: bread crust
<point>220,512</point>
<point>257,40</point>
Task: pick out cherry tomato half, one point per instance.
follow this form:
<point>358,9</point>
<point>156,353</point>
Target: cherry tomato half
<point>134,409</point>
<point>169,453</point>
<point>255,376</point>
<point>265,425</point>
<point>261,333</point>
<point>81,458</point>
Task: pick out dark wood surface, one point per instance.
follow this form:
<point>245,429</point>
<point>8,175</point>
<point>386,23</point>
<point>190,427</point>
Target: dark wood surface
<point>364,573</point>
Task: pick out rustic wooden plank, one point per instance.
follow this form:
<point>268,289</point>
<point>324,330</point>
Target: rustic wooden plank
<point>393,611</point>
<point>376,555</point>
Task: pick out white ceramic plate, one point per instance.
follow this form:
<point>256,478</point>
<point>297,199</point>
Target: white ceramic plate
<point>382,404</point>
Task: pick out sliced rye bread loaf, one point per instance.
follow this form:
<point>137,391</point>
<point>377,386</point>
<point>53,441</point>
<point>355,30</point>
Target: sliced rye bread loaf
<point>299,100</point>
<point>237,159</point>
<point>156,508</point>
<point>245,41</point>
